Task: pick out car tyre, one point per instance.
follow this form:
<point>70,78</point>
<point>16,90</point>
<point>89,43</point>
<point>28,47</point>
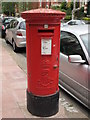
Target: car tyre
<point>15,48</point>
<point>2,36</point>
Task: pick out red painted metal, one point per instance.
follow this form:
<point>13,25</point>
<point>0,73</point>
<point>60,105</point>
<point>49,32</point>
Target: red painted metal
<point>42,70</point>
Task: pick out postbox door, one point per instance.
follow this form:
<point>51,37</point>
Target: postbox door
<point>49,63</point>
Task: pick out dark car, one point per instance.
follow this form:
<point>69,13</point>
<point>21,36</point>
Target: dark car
<point>5,22</point>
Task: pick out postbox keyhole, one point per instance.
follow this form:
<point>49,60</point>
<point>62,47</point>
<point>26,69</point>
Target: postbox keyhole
<point>57,58</point>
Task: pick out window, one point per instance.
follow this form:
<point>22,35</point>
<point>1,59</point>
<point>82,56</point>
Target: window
<point>70,45</point>
<point>13,23</point>
<point>73,23</point>
<point>70,23</point>
<point>85,39</point>
<point>22,26</point>
<point>7,20</point>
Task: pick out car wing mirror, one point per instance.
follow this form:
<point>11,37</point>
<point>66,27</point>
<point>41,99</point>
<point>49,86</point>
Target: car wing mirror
<point>75,59</point>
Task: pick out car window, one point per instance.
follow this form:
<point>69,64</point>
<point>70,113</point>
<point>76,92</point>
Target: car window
<point>22,25</point>
<point>70,23</point>
<point>8,26</point>
<point>85,38</point>
<point>73,23</point>
<point>6,20</point>
<point>13,23</point>
<point>69,45</point>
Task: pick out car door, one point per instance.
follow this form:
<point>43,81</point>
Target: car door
<point>73,76</point>
<point>9,31</point>
<point>12,30</point>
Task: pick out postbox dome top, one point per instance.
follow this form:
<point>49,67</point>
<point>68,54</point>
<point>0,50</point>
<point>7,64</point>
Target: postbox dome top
<point>42,12</point>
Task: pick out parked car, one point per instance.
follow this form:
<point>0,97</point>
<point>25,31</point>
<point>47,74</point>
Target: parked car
<point>16,33</point>
<point>74,68</point>
<point>74,22</point>
<point>5,22</point>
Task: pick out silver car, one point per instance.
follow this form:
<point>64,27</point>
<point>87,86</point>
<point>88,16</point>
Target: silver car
<point>74,22</point>
<point>74,71</point>
<point>16,33</point>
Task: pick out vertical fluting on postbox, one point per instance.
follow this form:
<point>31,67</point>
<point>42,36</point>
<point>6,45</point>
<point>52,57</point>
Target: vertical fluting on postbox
<point>43,48</point>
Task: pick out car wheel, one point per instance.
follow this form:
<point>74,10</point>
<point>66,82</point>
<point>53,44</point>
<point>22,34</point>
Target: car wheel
<point>3,34</point>
<point>15,48</point>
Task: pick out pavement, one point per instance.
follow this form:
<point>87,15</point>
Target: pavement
<point>13,85</point>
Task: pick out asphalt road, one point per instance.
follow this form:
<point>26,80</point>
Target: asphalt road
<point>69,105</point>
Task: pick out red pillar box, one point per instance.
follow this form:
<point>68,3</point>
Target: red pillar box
<point>43,48</point>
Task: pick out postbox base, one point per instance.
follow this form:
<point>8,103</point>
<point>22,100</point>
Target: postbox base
<point>43,106</point>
